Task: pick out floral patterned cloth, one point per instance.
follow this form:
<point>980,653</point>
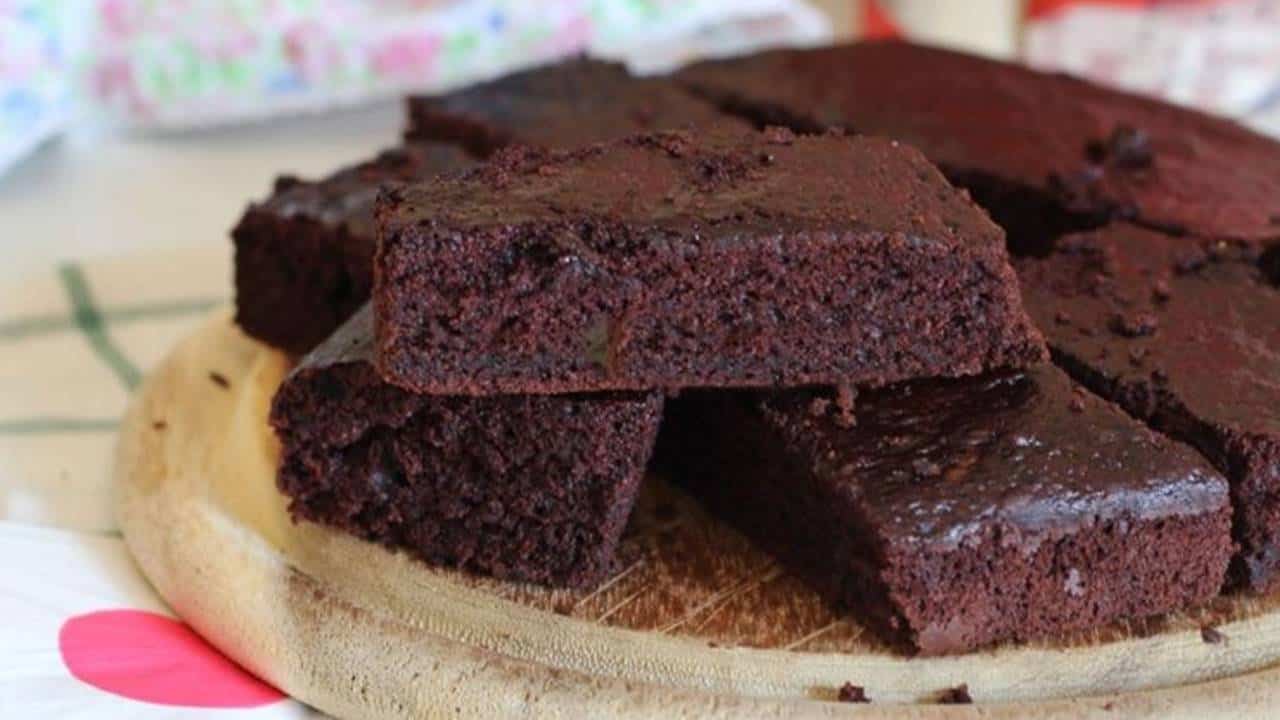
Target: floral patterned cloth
<point>35,89</point>
<point>191,63</point>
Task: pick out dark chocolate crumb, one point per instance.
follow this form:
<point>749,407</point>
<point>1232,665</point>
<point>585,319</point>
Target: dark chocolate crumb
<point>926,469</point>
<point>675,143</point>
<point>1076,403</point>
<point>284,182</point>
<point>1129,148</point>
<point>819,406</point>
<point>851,693</point>
<point>1190,260</point>
<point>1109,706</point>
<point>846,400</point>
<point>1271,265</point>
<point>159,425</point>
<point>958,695</point>
<point>1062,318</point>
<point>1077,184</point>
<point>1136,325</point>
<point>1161,290</point>
<point>1095,151</point>
<point>1212,635</point>
<point>779,135</point>
<point>219,379</point>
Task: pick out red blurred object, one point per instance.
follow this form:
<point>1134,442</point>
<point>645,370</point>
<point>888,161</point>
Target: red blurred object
<point>877,23</point>
<point>1037,9</point>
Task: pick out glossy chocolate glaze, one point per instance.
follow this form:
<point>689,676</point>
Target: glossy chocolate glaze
<point>1186,337</point>
<point>346,197</point>
<point>953,514</point>
<point>934,462</point>
<point>1093,150</point>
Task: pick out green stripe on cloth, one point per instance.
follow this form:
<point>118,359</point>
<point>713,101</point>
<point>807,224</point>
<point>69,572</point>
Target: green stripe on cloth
<point>44,324</point>
<point>89,321</point>
<point>53,425</point>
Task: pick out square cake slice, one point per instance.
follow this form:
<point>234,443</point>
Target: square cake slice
<point>679,259</point>
<point>1044,152</point>
<point>532,488</point>
<point>566,105</point>
<point>1186,338</point>
<point>951,514</point>
<point>304,255</point>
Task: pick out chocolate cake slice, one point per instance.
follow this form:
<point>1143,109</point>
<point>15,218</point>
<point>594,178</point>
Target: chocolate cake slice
<point>1186,338</point>
<point>1045,153</point>
<point>569,104</point>
<point>952,514</point>
<point>534,488</point>
<point>304,256</point>
<point>678,259</point>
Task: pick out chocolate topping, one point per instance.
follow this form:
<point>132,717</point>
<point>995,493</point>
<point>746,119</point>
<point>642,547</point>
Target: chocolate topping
<point>1201,333</point>
<point>959,513</point>
<point>851,693</point>
<point>1019,137</point>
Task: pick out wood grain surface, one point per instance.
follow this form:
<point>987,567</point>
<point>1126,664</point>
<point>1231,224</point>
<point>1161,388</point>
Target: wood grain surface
<point>694,623</point>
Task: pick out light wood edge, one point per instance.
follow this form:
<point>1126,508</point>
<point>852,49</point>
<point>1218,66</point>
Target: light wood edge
<point>343,651</point>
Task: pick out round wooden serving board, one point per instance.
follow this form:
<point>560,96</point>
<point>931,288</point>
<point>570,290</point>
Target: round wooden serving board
<point>696,623</point>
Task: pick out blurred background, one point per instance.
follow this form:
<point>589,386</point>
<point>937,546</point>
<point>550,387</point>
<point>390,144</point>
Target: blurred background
<point>131,123</point>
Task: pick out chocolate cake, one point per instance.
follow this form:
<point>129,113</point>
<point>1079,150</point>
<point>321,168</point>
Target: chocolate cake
<point>1044,152</point>
<point>570,104</point>
<point>1187,338</point>
<point>534,488</point>
<point>677,259</point>
<point>304,256</point>
<point>958,513</point>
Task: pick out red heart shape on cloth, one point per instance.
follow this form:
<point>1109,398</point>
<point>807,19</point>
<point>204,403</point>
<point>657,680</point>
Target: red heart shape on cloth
<point>152,658</point>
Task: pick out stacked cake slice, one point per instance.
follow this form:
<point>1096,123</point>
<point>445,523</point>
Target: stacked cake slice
<point>824,340</point>
<point>497,406</point>
<point>527,487</point>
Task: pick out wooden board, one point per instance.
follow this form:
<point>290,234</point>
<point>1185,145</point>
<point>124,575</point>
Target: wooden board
<point>696,623</point>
